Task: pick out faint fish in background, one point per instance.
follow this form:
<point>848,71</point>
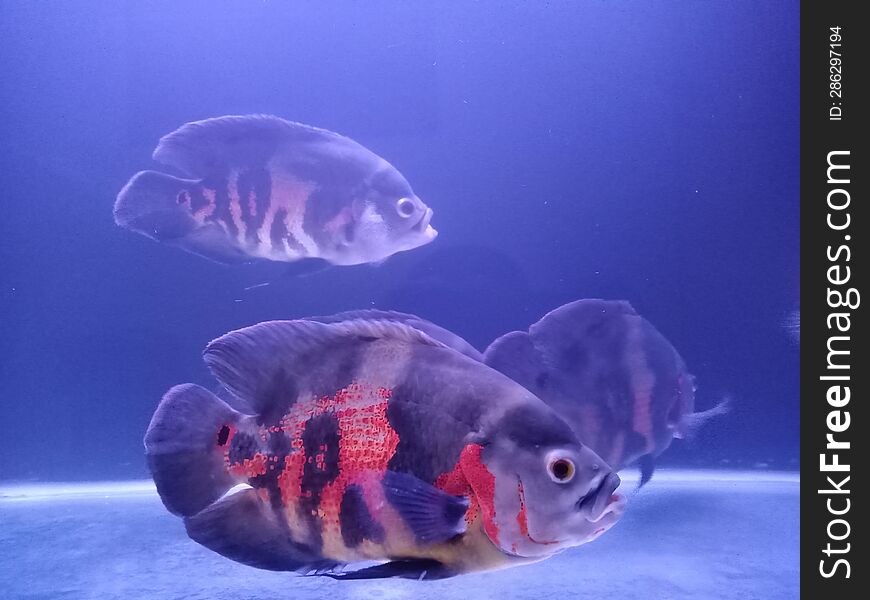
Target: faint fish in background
<point>261,187</point>
<point>792,324</point>
<point>610,374</point>
<point>370,440</point>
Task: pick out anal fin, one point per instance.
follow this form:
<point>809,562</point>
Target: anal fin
<point>306,267</point>
<point>244,528</point>
<point>210,241</point>
<point>647,464</point>
<point>412,568</point>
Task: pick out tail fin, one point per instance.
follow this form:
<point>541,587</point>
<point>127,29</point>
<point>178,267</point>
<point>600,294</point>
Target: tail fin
<point>152,204</point>
<point>692,422</point>
<point>185,445</point>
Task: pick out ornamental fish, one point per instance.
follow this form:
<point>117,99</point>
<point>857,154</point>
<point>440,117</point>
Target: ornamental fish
<point>370,440</point>
<point>610,374</point>
<point>260,187</point>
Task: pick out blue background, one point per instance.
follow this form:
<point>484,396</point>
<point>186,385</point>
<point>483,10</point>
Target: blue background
<point>642,151</point>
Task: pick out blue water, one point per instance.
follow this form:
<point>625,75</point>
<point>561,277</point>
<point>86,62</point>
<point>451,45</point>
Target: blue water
<point>642,151</point>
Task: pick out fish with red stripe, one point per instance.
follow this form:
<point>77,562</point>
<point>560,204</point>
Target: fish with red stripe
<point>261,187</point>
<point>610,374</point>
<point>367,439</point>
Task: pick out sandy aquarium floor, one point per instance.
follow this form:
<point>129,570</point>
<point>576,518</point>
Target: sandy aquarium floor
<point>686,535</point>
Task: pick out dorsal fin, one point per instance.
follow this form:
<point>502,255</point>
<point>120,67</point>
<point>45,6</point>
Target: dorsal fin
<point>588,319</point>
<point>365,313</point>
<point>263,364</point>
<point>220,144</point>
<point>514,355</point>
<point>445,336</point>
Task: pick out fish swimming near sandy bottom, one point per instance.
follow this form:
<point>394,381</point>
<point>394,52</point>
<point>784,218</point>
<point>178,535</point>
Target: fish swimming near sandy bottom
<point>370,440</point>
<point>260,187</point>
<point>610,374</point>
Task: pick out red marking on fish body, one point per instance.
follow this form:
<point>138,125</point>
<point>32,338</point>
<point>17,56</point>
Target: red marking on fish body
<point>522,516</point>
<point>208,208</point>
<point>454,482</point>
<point>642,382</point>
<point>290,479</point>
<point>367,442</point>
<point>250,467</point>
<point>482,481</point>
<point>342,218</point>
<point>471,478</point>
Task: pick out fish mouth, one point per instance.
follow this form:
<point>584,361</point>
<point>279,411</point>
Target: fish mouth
<point>601,498</point>
<point>423,224</point>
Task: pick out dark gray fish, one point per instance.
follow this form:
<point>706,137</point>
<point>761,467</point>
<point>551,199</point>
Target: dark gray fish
<point>610,374</point>
<point>368,439</point>
<point>260,187</point>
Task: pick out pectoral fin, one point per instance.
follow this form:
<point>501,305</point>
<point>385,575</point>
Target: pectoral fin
<point>434,516</point>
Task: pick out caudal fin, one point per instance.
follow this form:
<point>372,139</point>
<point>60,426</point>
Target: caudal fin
<point>154,204</point>
<point>692,422</point>
<point>185,445</point>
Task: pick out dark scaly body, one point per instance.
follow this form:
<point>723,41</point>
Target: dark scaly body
<point>376,449</point>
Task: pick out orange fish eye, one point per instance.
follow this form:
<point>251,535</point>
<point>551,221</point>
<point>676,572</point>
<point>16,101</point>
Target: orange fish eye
<point>561,470</point>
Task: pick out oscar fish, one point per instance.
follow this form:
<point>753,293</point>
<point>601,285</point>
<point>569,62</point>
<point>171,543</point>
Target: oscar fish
<point>261,187</point>
<point>369,440</point>
<point>610,374</point>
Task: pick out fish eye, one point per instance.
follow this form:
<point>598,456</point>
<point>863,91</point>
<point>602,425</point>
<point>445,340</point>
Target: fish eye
<point>405,207</point>
<point>561,470</point>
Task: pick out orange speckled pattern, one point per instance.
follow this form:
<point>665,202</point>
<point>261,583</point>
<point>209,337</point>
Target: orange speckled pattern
<point>250,467</point>
<point>367,442</point>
